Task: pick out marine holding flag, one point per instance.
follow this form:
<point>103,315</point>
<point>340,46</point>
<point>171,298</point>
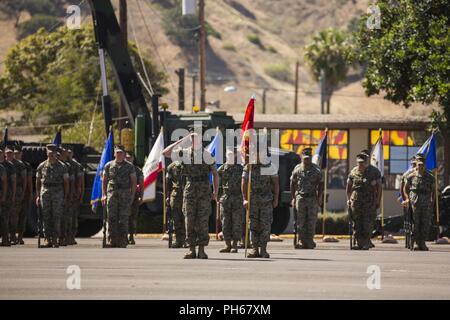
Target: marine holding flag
<point>197,194</point>
<point>118,190</point>
<point>259,185</point>
<point>420,192</point>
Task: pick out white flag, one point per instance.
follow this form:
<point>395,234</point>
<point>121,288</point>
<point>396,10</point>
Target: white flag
<point>152,167</point>
<point>377,156</point>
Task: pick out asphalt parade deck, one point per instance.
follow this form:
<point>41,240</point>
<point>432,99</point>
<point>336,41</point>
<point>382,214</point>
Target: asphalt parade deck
<point>149,270</point>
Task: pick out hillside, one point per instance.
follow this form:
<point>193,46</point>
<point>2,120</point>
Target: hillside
<point>282,28</point>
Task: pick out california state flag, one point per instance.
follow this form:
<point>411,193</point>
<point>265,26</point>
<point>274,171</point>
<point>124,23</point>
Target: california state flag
<point>152,167</point>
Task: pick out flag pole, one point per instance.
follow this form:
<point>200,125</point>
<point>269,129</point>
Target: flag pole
<point>325,187</point>
<point>217,204</point>
<point>382,189</point>
<point>164,193</point>
<point>247,216</point>
<point>436,197</point>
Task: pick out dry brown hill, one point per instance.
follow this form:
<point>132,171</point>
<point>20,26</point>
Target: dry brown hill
<point>283,28</point>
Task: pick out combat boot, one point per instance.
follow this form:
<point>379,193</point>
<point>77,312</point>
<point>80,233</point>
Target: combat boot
<point>177,245</point>
<point>62,242</point>
<point>235,247</point>
<point>47,244</point>
<point>201,253</point>
<point>20,240</point>
<point>131,240</point>
<point>191,253</point>
<point>227,248</point>
<point>264,254</point>
<point>5,242</point>
<point>254,253</point>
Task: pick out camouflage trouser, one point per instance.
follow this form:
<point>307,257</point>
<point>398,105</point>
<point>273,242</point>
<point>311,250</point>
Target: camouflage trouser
<point>261,217</point>
<point>197,209</point>
<point>75,214</point>
<point>118,205</point>
<point>422,222</point>
<point>66,220</point>
<point>23,217</point>
<point>307,209</point>
<point>363,218</point>
<point>4,222</point>
<point>52,203</point>
<point>134,213</point>
<point>176,205</point>
<point>231,210</point>
<point>16,211</point>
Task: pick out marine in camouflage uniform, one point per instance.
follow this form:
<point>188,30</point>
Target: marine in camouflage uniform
<point>21,181</point>
<point>137,199</point>
<point>119,187</point>
<point>231,208</point>
<point>362,198</point>
<point>3,214</point>
<point>196,193</point>
<point>28,196</point>
<point>66,218</point>
<point>175,201</point>
<point>8,204</point>
<point>52,191</point>
<point>306,190</point>
<point>420,193</point>
<point>77,198</point>
<point>264,198</point>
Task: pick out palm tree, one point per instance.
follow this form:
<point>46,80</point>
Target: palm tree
<point>328,58</point>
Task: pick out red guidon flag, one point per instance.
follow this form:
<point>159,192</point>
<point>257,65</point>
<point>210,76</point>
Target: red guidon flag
<point>152,167</point>
<point>247,125</point>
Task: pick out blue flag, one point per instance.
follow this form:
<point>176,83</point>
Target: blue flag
<point>107,155</point>
<point>320,157</point>
<point>213,148</point>
<point>429,150</point>
<point>58,138</point>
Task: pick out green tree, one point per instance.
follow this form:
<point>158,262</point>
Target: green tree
<point>54,78</point>
<point>15,8</point>
<point>408,58</point>
<point>329,51</point>
<point>33,24</point>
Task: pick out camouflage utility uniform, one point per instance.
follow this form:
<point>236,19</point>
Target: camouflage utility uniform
<point>175,181</point>
<point>231,208</point>
<point>26,202</point>
<point>3,214</point>
<point>261,205</point>
<point>78,174</point>
<point>8,205</point>
<point>420,196</point>
<point>363,202</point>
<point>52,197</point>
<point>66,218</point>
<point>197,201</point>
<point>118,202</point>
<point>306,180</point>
<point>132,228</point>
<point>16,209</point>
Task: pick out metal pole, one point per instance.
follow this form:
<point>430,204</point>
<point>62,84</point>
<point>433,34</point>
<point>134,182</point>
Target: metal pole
<point>322,91</point>
<point>247,216</point>
<point>264,101</point>
<point>180,73</point>
<point>194,79</point>
<point>202,51</point>
<point>123,21</point>
<point>297,66</point>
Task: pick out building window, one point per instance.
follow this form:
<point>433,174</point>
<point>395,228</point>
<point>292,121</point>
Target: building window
<point>298,139</point>
<point>399,146</point>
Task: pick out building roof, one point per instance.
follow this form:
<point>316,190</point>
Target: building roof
<point>333,121</point>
